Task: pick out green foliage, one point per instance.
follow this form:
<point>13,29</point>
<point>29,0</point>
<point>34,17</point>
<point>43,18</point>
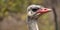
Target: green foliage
<point>16,5</point>
<point>12,6</point>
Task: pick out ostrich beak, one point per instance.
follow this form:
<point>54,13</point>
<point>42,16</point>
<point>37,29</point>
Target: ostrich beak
<point>49,10</point>
<point>43,10</point>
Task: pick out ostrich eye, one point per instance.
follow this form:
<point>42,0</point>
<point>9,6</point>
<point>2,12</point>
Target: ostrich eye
<point>35,9</point>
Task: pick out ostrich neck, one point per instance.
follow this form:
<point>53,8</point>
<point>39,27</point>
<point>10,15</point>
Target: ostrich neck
<point>32,24</point>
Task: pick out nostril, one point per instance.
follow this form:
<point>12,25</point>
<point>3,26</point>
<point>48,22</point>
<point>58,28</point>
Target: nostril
<point>45,9</point>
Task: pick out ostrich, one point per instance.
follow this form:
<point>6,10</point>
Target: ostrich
<point>34,11</point>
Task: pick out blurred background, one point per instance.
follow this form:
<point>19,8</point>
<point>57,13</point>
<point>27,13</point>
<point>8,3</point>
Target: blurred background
<point>13,15</point>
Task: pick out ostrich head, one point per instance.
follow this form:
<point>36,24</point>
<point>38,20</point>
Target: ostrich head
<point>33,13</point>
<point>37,10</point>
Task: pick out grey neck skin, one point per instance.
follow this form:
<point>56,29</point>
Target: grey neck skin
<point>32,23</point>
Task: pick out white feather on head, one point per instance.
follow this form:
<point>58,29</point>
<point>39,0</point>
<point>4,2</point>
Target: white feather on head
<point>29,11</point>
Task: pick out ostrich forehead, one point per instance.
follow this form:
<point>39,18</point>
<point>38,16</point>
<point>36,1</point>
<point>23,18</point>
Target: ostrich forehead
<point>33,6</point>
